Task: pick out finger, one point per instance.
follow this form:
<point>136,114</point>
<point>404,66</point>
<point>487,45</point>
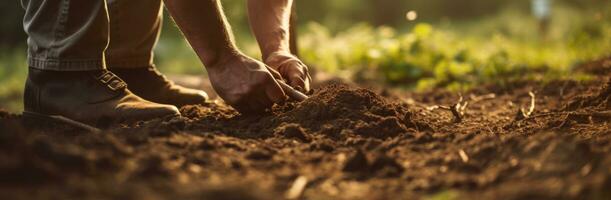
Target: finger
<point>274,92</point>
<point>300,78</point>
<point>297,82</point>
<point>274,73</point>
<point>304,76</point>
<point>308,83</point>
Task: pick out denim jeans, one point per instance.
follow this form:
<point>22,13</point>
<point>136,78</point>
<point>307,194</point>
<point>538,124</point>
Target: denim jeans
<point>78,35</point>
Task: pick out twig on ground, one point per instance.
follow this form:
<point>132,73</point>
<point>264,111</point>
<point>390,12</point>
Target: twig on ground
<point>475,99</point>
<point>297,188</point>
<point>456,113</point>
<point>431,108</point>
<point>522,113</point>
<point>458,109</point>
<point>532,103</point>
<point>463,155</point>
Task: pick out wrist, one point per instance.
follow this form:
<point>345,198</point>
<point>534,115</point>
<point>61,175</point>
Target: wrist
<point>274,50</point>
<point>221,57</point>
<point>277,56</point>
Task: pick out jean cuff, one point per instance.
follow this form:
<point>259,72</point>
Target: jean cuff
<point>66,64</point>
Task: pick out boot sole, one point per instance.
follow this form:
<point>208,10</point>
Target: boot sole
<point>35,118</point>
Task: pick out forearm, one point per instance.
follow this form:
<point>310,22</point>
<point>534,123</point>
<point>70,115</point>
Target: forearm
<point>269,20</point>
<point>204,25</point>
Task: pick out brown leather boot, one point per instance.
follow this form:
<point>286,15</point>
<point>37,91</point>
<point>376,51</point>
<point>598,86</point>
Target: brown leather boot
<point>96,98</point>
<point>151,85</point>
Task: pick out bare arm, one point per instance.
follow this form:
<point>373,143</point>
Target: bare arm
<point>269,20</point>
<point>244,83</point>
<point>204,25</point>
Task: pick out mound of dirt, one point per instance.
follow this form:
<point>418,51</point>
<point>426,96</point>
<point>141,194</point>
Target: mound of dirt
<point>335,110</point>
<point>338,109</point>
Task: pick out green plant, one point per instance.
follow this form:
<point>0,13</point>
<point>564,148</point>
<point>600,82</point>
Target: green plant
<point>498,49</point>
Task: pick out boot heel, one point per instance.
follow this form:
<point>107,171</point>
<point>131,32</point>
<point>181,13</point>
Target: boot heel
<point>33,119</point>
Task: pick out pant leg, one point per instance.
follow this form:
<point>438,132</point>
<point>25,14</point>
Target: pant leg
<point>66,35</point>
<point>134,30</point>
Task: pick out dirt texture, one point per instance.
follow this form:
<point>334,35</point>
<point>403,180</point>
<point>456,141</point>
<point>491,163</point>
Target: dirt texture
<point>342,143</point>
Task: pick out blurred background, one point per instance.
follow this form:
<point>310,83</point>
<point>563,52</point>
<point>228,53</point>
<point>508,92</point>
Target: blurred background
<point>408,44</point>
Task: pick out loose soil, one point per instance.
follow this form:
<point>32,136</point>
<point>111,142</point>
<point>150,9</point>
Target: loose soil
<point>343,143</point>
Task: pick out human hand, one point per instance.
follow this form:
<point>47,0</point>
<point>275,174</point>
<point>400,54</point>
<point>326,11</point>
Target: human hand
<point>291,69</point>
<point>245,83</point>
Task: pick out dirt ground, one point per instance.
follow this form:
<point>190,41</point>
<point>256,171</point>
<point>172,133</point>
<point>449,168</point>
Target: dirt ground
<point>343,143</point>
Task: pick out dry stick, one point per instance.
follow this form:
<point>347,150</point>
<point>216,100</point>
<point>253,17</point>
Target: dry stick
<point>456,113</point>
<point>458,109</point>
<point>522,114</point>
<point>297,188</point>
<point>475,99</point>
<point>463,155</point>
<point>463,108</point>
<point>532,104</point>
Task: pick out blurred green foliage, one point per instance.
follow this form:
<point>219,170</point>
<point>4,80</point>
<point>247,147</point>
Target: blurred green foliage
<point>452,44</point>
<point>13,71</point>
<point>496,49</point>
